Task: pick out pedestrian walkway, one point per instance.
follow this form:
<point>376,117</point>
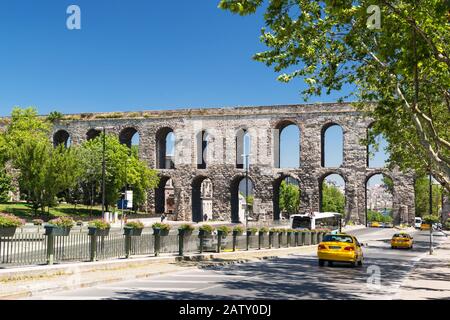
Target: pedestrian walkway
<point>430,278</point>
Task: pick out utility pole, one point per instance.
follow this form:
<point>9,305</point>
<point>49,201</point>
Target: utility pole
<point>431,213</point>
<point>103,173</point>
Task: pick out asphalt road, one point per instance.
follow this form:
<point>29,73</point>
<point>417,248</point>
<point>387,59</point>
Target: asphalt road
<point>291,277</point>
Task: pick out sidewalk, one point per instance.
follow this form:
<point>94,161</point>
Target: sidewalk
<point>28,281</point>
<point>430,278</point>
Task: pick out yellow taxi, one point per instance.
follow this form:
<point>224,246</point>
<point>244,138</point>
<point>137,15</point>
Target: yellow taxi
<point>375,224</point>
<point>402,240</point>
<point>425,226</point>
<point>340,247</point>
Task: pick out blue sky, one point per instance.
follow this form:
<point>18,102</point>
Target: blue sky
<point>135,55</point>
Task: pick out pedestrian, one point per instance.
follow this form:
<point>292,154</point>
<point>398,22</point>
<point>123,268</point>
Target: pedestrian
<point>163,217</point>
<point>205,217</point>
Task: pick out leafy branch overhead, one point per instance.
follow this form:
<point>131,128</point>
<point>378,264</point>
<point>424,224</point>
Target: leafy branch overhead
<point>401,70</point>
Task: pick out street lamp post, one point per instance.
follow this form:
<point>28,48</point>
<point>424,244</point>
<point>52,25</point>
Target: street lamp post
<point>103,173</point>
<point>246,188</point>
<point>431,212</point>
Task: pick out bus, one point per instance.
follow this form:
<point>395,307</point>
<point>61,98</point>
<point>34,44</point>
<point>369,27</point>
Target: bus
<point>325,220</point>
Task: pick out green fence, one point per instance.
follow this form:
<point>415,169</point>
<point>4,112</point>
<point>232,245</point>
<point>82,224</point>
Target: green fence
<point>36,248</point>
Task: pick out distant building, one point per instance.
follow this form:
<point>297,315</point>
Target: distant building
<point>378,198</point>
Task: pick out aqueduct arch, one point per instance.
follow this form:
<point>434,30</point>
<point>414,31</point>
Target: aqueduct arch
<point>222,124</point>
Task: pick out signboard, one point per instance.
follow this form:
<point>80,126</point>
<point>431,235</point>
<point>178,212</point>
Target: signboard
<point>129,199</point>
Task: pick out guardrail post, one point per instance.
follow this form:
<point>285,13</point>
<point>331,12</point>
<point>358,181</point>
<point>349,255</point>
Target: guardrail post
<point>93,247</point>
<point>260,239</point>
<point>296,239</point>
<point>157,244</point>
<point>219,240</point>
<point>180,242</point>
<point>270,239</point>
<point>50,249</point>
<point>248,240</point>
<point>201,236</point>
<point>127,246</point>
<point>288,239</point>
<point>280,239</point>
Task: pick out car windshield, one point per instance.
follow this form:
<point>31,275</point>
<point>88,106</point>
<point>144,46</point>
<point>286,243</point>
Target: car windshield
<point>399,235</point>
<point>337,238</point>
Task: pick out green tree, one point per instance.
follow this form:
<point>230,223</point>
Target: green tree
<point>422,196</point>
<point>401,69</point>
<point>5,186</point>
<point>332,198</point>
<point>122,167</point>
<point>289,200</point>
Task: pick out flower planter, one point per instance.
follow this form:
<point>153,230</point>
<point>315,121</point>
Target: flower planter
<point>205,234</point>
<point>56,231</point>
<point>160,232</point>
<point>7,232</point>
<point>237,233</point>
<point>184,233</point>
<point>133,232</point>
<point>98,232</point>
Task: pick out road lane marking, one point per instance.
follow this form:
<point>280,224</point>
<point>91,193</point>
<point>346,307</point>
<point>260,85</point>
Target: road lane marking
<point>128,289</point>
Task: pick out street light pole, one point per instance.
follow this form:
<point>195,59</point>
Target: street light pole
<point>103,173</point>
<point>431,213</point>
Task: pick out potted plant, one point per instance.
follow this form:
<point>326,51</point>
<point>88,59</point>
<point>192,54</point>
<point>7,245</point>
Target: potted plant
<point>8,224</point>
<point>238,230</point>
<point>224,230</point>
<point>133,228</point>
<point>59,227</point>
<point>161,229</point>
<point>251,231</point>
<point>38,222</point>
<point>206,230</point>
<point>263,230</point>
<point>186,229</point>
<point>99,228</point>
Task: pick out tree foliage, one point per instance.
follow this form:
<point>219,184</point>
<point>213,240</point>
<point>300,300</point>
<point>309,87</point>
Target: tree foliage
<point>289,201</point>
<point>401,70</point>
<point>422,196</point>
<point>333,200</point>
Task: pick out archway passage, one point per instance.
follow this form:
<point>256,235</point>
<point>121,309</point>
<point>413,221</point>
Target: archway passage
<point>92,134</point>
<point>287,145</point>
<point>286,197</point>
<point>61,137</point>
<point>202,195</point>
<point>165,196</point>
<point>377,154</point>
<point>202,140</point>
<point>379,199</point>
<point>241,194</point>
<point>332,194</point>
<point>165,148</point>
<point>242,148</point>
<point>129,136</point>
<point>332,145</point>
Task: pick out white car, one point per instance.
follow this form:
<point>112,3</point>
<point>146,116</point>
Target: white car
<point>417,222</point>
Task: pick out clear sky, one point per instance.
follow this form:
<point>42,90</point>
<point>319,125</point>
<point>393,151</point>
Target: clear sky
<point>135,55</point>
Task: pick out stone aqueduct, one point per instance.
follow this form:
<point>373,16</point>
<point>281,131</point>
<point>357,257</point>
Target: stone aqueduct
<point>223,125</point>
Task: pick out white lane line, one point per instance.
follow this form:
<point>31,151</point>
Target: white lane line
<point>209,276</point>
<point>128,289</point>
<point>176,281</point>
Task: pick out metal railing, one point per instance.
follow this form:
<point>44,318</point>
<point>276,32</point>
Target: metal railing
<point>35,248</point>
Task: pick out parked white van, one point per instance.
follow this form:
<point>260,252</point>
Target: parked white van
<point>417,222</point>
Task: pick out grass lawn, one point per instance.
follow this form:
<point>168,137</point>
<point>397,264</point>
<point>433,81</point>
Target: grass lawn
<point>24,211</point>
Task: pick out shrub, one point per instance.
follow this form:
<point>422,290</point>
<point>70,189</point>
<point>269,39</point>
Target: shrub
<point>428,219</point>
<point>252,230</point>
<point>187,227</point>
<point>99,224</point>
<point>239,229</point>
<point>263,230</point>
<point>225,230</point>
<point>62,222</point>
<point>447,225</point>
<point>38,222</point>
<point>135,225</point>
<point>10,221</point>
<point>207,228</point>
<point>162,226</point>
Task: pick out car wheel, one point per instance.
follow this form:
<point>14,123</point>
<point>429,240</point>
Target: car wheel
<point>330,263</point>
<point>321,263</point>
